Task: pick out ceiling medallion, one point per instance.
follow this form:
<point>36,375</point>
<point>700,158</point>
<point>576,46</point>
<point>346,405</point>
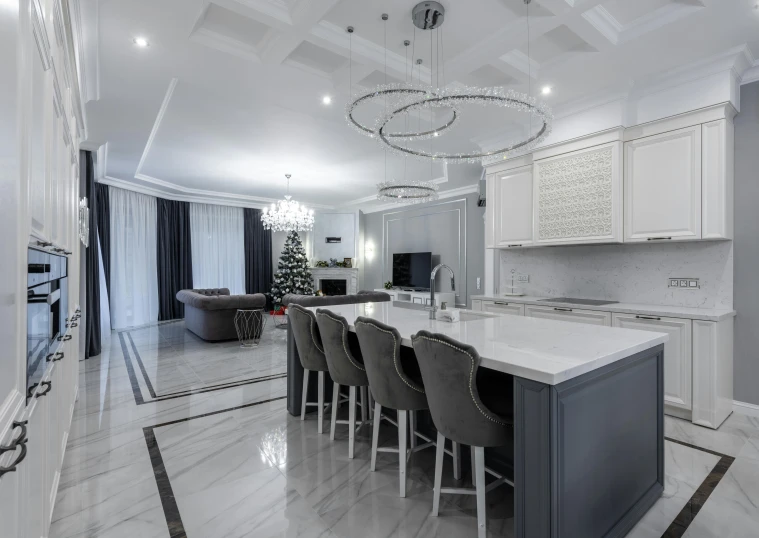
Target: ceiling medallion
<point>407,192</point>
<point>287,215</point>
<point>404,99</point>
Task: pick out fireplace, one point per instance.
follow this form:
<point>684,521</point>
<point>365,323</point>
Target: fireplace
<point>331,286</point>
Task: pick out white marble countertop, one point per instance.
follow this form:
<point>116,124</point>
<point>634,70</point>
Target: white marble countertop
<point>706,314</point>
<point>542,350</point>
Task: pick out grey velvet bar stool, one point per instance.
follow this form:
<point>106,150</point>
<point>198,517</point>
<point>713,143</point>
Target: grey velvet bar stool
<point>345,369</point>
<point>449,372</point>
<point>312,358</point>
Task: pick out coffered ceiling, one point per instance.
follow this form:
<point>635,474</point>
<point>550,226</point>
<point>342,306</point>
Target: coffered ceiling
<point>227,97</point>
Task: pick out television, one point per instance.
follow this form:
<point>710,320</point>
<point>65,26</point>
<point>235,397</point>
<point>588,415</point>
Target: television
<point>412,270</point>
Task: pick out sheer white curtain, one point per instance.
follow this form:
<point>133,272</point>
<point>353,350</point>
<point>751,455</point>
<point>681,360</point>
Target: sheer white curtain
<point>134,269</point>
<point>218,247</point>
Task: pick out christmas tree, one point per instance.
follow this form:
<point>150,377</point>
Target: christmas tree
<point>293,274</point>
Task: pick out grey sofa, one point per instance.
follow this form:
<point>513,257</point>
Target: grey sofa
<point>294,367</point>
<point>211,313</point>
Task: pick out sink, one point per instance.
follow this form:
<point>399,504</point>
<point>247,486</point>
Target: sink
<point>588,302</point>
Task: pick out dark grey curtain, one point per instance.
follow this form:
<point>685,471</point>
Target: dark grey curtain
<point>104,231</point>
<point>92,341</point>
<point>174,256</point>
<point>258,270</point>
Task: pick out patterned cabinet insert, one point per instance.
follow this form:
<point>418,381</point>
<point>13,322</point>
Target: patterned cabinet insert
<point>578,196</point>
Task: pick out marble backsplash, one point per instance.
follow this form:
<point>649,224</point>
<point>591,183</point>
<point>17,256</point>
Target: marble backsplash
<point>634,273</point>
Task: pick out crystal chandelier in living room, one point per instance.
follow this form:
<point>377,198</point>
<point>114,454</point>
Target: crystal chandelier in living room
<point>288,215</point>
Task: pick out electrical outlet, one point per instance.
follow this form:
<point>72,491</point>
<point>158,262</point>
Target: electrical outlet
<point>685,283</point>
<point>523,278</point>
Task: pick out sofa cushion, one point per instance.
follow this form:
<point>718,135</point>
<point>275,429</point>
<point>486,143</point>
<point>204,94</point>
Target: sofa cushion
<point>221,300</point>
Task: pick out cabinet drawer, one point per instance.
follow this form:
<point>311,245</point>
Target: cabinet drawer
<point>503,307</point>
<point>678,353</point>
<point>569,314</point>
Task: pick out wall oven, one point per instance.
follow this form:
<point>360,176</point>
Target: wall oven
<point>46,310</point>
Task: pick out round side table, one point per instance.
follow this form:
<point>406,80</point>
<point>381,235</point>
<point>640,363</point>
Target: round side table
<point>250,326</point>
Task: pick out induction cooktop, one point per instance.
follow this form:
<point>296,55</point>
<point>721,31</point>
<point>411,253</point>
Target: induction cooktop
<point>570,300</point>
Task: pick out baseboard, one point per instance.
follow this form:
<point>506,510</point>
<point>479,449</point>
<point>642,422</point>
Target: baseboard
<point>745,408</point>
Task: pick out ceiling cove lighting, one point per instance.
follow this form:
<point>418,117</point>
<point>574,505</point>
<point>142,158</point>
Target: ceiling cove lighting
<point>141,42</point>
<point>405,99</point>
<point>288,215</point>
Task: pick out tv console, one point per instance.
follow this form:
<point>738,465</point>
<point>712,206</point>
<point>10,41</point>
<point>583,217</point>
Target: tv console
<point>421,297</point>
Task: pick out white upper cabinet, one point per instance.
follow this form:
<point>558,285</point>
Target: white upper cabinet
<point>578,196</point>
<point>509,221</point>
<point>717,179</point>
<point>663,186</point>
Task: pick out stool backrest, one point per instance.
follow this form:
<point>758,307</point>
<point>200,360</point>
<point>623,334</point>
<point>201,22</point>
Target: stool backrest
<point>345,366</point>
<point>381,349</point>
<point>449,370</point>
<point>307,338</point>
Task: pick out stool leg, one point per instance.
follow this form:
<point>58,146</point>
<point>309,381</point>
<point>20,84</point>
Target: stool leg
<point>456,460</point>
<point>375,433</point>
<point>439,455</point>
<point>335,399</point>
<point>474,467</point>
<point>351,421</point>
<point>412,427</point>
<point>402,452</point>
<point>364,404</point>
<point>305,395</point>
<point>320,413</point>
<point>479,458</point>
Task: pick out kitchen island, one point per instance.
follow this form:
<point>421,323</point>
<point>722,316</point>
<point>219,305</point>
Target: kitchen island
<point>588,414</point>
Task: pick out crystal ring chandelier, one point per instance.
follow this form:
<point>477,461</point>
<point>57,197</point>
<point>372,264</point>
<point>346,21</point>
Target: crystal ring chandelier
<point>484,97</point>
<point>412,192</point>
<point>287,215</point>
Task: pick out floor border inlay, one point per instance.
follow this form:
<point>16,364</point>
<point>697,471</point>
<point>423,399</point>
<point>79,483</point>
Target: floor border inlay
<point>168,501</point>
<point>137,391</point>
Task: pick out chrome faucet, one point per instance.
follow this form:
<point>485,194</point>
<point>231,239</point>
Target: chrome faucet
<point>432,307</point>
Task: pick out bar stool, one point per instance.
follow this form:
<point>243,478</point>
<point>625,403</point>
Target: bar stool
<point>393,388</point>
<point>449,371</point>
<point>345,369</point>
<point>311,352</point>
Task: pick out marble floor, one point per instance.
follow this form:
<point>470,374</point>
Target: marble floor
<point>175,437</point>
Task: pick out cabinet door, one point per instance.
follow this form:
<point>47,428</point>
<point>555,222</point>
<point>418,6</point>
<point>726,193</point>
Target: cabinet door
<point>36,498</point>
<point>11,490</point>
<point>477,305</point>
<point>578,197</point>
<point>513,207</point>
<point>569,314</point>
<point>717,156</point>
<point>490,208</point>
<point>663,186</point>
<point>503,307</point>
<point>677,353</point>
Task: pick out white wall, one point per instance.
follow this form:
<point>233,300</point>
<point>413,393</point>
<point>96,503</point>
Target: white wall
<point>635,273</point>
<point>341,225</point>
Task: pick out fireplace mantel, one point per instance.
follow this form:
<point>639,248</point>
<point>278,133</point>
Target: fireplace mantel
<point>349,274</point>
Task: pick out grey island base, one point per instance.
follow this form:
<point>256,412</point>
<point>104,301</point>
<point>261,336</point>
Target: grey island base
<point>588,455</point>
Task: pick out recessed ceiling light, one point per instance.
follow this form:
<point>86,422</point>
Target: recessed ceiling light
<point>326,99</point>
<point>141,42</point>
<point>546,90</point>
<point>436,134</point>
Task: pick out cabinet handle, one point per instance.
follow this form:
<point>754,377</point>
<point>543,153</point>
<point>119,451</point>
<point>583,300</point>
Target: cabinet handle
<point>562,309</point>
<point>500,303</point>
<point>64,338</point>
<point>648,317</point>
<point>43,243</point>
<point>19,459</point>
<point>18,440</point>
<point>67,252</point>
<point>55,357</point>
<point>48,388</point>
<point>72,324</point>
<point>515,245</point>
<point>659,239</point>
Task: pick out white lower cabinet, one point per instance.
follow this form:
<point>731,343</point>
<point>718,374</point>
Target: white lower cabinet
<point>678,354</point>
<point>502,307</point>
<point>575,315</point>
